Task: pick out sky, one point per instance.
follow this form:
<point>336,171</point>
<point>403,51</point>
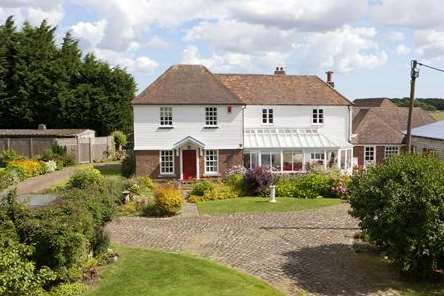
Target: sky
<point>367,43</point>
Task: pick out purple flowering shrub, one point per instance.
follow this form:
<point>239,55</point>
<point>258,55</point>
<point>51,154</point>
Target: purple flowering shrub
<point>258,181</point>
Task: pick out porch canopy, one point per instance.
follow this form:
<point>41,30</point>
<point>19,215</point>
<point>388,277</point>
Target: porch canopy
<point>188,140</point>
<point>289,138</point>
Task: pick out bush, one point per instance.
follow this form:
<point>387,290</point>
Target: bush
<point>217,191</point>
<point>312,185</point>
<point>50,166</point>
<point>7,178</point>
<point>69,289</point>
<point>140,185</point>
<point>7,156</point>
<point>19,275</point>
<point>86,177</point>
<point>201,187</point>
<point>401,210</point>
<point>168,199</point>
<point>258,181</point>
<point>129,164</point>
<point>235,178</point>
<point>59,155</point>
<point>120,139</point>
<point>26,168</point>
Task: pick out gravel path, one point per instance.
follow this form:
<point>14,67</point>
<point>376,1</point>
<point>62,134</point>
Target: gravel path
<point>297,251</point>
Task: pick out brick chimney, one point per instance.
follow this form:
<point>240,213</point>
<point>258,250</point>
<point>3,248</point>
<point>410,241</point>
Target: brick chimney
<point>279,71</point>
<point>330,78</point>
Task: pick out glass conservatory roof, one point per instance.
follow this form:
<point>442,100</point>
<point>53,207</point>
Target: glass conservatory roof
<point>288,138</point>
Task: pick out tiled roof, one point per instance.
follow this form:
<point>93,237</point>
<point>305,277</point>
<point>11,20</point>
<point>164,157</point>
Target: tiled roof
<point>385,125</point>
<point>374,102</point>
<point>433,131</point>
<point>41,132</point>
<point>282,89</point>
<point>186,84</point>
<point>194,84</point>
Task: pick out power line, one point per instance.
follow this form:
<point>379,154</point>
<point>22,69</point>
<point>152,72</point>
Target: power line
<point>431,67</point>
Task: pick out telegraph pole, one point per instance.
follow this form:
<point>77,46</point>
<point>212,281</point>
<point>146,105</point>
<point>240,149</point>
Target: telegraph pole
<point>414,73</point>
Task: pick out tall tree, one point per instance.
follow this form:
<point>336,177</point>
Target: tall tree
<point>41,82</point>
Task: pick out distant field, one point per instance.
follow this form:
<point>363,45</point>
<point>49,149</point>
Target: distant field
<point>438,115</point>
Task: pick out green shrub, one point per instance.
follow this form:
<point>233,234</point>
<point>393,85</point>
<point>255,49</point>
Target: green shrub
<point>69,289</point>
<point>19,275</point>
<point>401,210</point>
<point>59,155</point>
<point>168,200</point>
<point>312,185</point>
<point>86,177</point>
<point>217,191</point>
<point>140,185</point>
<point>120,139</point>
<point>129,164</point>
<point>237,183</point>
<point>7,178</point>
<point>199,188</point>
<point>7,156</point>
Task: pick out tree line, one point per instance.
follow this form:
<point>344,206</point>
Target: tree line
<point>42,82</point>
<point>429,104</point>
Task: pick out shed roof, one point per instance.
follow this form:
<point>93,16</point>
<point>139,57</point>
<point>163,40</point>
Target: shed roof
<point>374,102</point>
<point>64,133</point>
<point>288,138</point>
<point>433,131</point>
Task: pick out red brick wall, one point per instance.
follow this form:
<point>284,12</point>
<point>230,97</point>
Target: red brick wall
<point>358,151</point>
<point>227,159</point>
<point>148,164</point>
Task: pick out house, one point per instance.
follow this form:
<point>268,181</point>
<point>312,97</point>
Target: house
<point>378,129</point>
<point>191,123</point>
<point>81,143</point>
<point>429,138</point>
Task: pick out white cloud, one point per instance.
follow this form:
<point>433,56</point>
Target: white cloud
<point>415,14</point>
<point>395,36</point>
<point>230,35</point>
<point>401,49</point>
<point>344,50</point>
<point>89,34</point>
<point>430,44</point>
<point>157,42</point>
<point>140,64</point>
<point>33,11</point>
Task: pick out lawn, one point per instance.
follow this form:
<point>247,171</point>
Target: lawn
<point>438,115</point>
<point>262,205</point>
<point>144,273</point>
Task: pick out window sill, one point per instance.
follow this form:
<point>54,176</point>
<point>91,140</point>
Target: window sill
<point>210,126</point>
<point>211,175</point>
<point>317,124</point>
<point>165,127</point>
<point>167,176</point>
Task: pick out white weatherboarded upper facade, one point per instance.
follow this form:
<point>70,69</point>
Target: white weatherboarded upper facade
<point>188,120</point>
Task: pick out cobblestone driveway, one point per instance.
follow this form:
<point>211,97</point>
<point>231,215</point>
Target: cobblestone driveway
<point>308,250</point>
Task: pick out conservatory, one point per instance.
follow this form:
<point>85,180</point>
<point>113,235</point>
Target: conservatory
<point>295,150</point>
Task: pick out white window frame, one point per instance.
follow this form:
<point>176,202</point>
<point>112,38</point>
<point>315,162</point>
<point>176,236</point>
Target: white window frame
<point>166,165</point>
<point>166,116</point>
<point>318,116</point>
<point>317,156</point>
<point>214,163</point>
<point>293,153</point>
<point>391,150</point>
<point>211,116</point>
<point>267,116</point>
<point>369,162</point>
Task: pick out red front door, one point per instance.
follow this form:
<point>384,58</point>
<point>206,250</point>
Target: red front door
<point>189,164</point>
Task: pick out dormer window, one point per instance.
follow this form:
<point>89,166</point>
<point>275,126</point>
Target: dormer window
<point>211,116</point>
<point>267,116</point>
<point>318,116</point>
<point>166,116</point>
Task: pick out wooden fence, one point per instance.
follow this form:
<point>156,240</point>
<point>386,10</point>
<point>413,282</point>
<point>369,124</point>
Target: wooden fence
<point>84,150</point>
